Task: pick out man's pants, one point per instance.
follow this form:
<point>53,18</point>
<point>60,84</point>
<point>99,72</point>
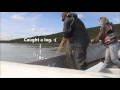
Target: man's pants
<point>79,57</point>
<point>112,54</point>
<point>76,55</point>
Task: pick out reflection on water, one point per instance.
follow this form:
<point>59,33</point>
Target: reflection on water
<point>23,53</point>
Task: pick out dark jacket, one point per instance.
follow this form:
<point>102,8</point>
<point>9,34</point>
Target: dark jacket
<point>75,30</point>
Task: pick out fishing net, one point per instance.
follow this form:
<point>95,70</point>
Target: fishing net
<point>95,52</point>
<point>67,51</point>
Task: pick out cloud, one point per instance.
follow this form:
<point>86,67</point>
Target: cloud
<point>2,25</point>
<point>27,33</point>
<point>80,15</point>
<point>9,36</point>
<point>34,25</point>
<point>18,17</point>
<point>116,20</point>
<point>33,19</point>
<point>3,12</point>
<point>22,13</point>
<point>6,36</point>
<point>41,31</point>
<point>32,30</point>
<point>25,16</point>
<point>46,31</point>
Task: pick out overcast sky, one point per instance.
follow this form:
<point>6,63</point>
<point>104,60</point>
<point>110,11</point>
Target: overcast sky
<point>28,24</point>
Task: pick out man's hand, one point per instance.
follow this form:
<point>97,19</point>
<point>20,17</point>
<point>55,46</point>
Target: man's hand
<point>63,42</point>
<point>93,41</point>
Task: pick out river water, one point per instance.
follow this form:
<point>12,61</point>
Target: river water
<point>25,53</point>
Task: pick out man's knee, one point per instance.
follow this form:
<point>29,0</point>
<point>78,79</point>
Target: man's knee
<point>113,60</point>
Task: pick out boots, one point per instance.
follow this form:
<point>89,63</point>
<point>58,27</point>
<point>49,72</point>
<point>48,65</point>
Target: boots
<point>103,67</point>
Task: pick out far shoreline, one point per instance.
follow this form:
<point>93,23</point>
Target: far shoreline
<point>43,44</point>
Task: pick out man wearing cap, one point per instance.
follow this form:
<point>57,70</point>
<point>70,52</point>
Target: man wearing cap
<point>75,33</point>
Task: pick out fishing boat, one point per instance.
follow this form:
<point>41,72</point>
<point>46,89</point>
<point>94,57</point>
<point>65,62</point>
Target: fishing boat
<point>56,67</point>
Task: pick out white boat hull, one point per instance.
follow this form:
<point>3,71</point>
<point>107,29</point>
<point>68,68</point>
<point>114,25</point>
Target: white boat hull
<point>15,70</point>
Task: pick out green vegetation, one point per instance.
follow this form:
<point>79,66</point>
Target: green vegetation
<point>94,31</point>
<point>52,36</point>
<point>4,41</point>
<point>91,31</point>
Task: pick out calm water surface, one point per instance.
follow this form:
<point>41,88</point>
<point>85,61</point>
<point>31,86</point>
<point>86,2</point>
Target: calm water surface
<point>25,53</point>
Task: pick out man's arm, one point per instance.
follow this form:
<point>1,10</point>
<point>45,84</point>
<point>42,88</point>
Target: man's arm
<point>63,41</point>
<point>100,35</point>
<point>67,27</point>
